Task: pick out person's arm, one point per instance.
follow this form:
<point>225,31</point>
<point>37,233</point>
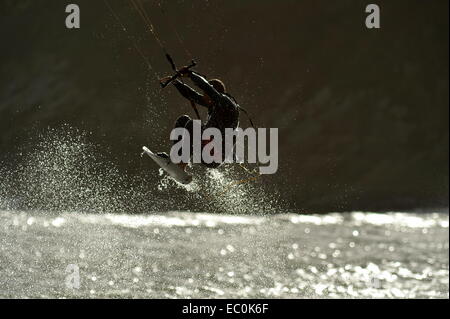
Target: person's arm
<point>203,84</point>
<point>189,93</point>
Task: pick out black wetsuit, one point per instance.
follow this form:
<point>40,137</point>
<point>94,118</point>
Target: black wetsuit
<point>223,112</point>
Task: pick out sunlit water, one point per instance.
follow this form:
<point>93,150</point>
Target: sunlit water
<point>194,255</point>
<point>45,231</point>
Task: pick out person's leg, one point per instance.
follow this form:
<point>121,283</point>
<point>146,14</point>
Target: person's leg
<point>182,121</point>
<point>185,122</point>
<point>213,164</point>
<point>189,126</point>
<point>179,123</point>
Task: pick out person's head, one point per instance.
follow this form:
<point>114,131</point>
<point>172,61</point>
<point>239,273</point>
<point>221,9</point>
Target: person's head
<point>218,85</point>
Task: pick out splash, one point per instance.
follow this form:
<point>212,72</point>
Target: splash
<point>166,182</point>
<point>64,173</point>
<point>227,190</point>
<point>60,170</point>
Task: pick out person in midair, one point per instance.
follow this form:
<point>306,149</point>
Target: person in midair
<point>223,110</point>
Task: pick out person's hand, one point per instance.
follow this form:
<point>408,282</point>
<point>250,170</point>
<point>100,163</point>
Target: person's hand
<point>165,79</point>
<point>184,71</point>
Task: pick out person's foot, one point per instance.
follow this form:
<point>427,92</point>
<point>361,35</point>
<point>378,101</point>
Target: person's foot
<point>182,165</point>
<point>162,154</point>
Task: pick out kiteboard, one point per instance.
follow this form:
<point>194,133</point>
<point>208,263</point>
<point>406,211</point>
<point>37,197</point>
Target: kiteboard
<point>170,168</point>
